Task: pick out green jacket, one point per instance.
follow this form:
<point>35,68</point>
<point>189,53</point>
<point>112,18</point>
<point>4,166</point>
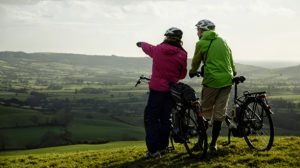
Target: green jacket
<point>219,67</point>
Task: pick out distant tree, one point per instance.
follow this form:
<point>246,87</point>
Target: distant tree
<point>13,101</point>
<point>36,99</point>
<point>57,104</point>
<point>50,138</point>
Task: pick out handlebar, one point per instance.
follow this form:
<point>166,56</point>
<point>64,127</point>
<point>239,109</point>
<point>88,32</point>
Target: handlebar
<point>141,78</point>
<point>144,78</point>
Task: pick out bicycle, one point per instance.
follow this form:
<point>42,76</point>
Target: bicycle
<point>187,124</point>
<point>250,118</point>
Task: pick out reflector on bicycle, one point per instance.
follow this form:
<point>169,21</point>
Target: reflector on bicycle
<point>261,96</point>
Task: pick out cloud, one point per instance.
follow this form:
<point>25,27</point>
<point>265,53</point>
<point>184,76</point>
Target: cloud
<point>20,2</point>
<point>107,11</point>
<point>116,24</point>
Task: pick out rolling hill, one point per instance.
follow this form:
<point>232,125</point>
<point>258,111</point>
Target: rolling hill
<point>115,111</point>
<point>121,64</point>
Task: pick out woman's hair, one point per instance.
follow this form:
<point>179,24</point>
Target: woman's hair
<point>173,41</point>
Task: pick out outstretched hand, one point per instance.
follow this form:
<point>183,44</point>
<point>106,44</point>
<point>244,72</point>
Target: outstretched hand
<point>139,44</point>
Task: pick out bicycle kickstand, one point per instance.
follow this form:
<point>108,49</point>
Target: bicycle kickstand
<point>228,142</point>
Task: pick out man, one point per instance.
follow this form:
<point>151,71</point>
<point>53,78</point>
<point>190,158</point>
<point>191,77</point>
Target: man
<point>219,70</point>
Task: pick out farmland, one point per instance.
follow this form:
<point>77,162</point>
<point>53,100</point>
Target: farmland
<point>49,99</point>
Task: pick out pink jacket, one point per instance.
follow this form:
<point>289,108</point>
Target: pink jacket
<point>169,65</point>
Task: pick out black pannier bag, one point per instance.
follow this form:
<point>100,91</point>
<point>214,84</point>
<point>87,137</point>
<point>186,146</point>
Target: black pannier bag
<point>182,93</point>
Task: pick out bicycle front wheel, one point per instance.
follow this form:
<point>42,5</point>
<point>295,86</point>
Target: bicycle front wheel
<point>195,137</point>
<point>259,125</point>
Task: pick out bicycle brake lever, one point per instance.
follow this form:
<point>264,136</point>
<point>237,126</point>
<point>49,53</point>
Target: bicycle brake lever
<point>137,83</point>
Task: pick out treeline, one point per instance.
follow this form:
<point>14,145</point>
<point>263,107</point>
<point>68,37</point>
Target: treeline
<point>60,111</point>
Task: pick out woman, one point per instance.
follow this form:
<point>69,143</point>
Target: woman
<point>169,66</point>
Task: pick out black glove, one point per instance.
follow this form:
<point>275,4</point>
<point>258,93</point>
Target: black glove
<point>139,44</point>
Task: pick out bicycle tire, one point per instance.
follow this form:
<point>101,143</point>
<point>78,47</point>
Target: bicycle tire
<point>259,125</point>
<point>196,133</point>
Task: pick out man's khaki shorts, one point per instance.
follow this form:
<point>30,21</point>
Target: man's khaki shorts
<point>214,102</point>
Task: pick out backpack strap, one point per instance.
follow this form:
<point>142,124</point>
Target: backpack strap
<point>205,57</point>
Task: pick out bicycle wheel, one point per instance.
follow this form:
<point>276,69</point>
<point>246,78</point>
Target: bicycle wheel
<point>259,125</point>
<point>195,135</point>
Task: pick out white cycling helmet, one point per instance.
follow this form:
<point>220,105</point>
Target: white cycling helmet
<point>174,32</point>
<point>205,25</point>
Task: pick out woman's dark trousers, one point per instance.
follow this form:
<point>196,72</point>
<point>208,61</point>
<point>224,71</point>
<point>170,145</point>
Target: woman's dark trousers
<point>157,120</point>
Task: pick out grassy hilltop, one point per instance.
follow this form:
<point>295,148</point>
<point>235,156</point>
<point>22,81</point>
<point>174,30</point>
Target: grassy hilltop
<point>285,153</point>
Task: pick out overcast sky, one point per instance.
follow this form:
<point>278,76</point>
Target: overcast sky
<point>254,29</point>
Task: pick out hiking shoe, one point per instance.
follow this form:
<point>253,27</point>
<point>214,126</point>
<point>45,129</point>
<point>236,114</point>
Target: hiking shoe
<point>197,147</point>
<point>213,149</point>
<point>150,155</point>
<point>166,150</point>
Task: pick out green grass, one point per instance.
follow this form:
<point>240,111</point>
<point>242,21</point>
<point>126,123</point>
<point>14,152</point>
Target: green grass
<point>11,116</point>
<point>101,126</point>
<point>84,126</point>
<point>285,153</point>
<point>73,148</point>
<point>22,137</point>
<point>104,129</point>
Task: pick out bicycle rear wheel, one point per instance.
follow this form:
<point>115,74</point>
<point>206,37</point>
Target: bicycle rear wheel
<point>259,125</point>
<point>195,137</point>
